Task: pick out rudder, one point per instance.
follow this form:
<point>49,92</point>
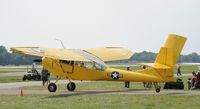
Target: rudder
<point>170,52</point>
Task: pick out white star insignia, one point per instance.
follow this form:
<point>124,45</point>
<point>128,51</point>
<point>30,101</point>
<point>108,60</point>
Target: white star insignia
<point>115,75</point>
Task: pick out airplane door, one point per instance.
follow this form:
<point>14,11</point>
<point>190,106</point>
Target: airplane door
<point>67,66</point>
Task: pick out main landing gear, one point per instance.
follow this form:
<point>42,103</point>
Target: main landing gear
<point>71,86</point>
<point>52,87</point>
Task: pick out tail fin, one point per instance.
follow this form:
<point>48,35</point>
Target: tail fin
<point>167,57</point>
<point>170,52</point>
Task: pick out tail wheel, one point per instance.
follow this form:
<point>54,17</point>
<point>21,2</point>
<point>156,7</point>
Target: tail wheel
<point>157,87</point>
<point>158,90</point>
<point>24,78</point>
<point>71,86</point>
<point>52,87</point>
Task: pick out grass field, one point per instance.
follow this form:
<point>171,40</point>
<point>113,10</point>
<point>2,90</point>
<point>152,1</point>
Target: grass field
<point>6,70</point>
<point>100,101</point>
<point>7,79</point>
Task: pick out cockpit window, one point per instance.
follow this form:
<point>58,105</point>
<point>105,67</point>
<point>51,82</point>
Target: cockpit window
<point>90,65</point>
<point>92,58</point>
<point>99,66</point>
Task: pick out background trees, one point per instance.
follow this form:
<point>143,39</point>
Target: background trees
<point>12,58</point>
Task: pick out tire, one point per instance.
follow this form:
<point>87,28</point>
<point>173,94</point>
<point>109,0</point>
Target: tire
<point>24,78</point>
<point>52,87</point>
<point>71,86</point>
<point>28,77</point>
<point>158,90</point>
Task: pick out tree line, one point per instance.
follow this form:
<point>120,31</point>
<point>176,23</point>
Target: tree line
<point>150,57</point>
<point>12,58</point>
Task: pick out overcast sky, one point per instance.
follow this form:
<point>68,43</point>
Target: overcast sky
<point>135,24</point>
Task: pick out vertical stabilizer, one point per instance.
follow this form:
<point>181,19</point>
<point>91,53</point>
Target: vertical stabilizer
<point>170,52</point>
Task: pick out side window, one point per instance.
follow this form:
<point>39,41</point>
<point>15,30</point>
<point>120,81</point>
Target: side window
<point>89,65</point>
<point>99,66</point>
<point>67,62</point>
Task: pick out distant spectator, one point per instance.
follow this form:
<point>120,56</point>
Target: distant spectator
<point>189,83</point>
<point>193,80</point>
<point>145,84</point>
<point>34,71</point>
<point>48,78</point>
<point>44,74</point>
<point>198,76</point>
<point>144,67</point>
<point>127,83</point>
<point>197,82</point>
<point>178,70</point>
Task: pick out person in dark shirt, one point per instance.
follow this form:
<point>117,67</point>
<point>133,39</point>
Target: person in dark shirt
<point>127,83</point>
<point>44,75</point>
<point>193,80</point>
<point>178,70</point>
<point>197,82</point>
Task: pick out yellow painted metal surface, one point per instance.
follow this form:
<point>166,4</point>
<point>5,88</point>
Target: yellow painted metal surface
<point>105,54</point>
<point>111,53</point>
<point>61,54</point>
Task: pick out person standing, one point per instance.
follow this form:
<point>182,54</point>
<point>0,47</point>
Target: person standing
<point>127,83</point>
<point>178,70</point>
<point>34,71</point>
<point>48,78</point>
<point>44,74</point>
<point>193,80</point>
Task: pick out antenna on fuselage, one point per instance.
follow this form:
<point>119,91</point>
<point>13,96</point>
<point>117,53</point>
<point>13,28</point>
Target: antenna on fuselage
<point>61,42</point>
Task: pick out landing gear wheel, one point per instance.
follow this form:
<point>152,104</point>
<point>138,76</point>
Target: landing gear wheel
<point>52,87</point>
<point>158,90</point>
<point>71,86</point>
<point>24,78</point>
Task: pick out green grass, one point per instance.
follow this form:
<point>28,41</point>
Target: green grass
<point>188,68</point>
<point>6,70</point>
<point>7,79</point>
<point>99,101</point>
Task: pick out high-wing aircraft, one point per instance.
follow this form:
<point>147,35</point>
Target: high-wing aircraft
<point>88,64</point>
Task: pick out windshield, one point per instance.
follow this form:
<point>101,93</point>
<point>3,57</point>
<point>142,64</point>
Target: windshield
<point>91,57</point>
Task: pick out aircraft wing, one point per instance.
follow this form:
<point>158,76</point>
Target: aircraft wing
<point>62,54</point>
<point>94,54</point>
<point>111,53</point>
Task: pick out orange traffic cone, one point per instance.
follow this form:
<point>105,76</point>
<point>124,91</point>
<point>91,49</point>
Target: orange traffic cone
<point>21,93</point>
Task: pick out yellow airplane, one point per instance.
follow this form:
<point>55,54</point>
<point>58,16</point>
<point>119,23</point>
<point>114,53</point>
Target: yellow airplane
<point>88,64</point>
